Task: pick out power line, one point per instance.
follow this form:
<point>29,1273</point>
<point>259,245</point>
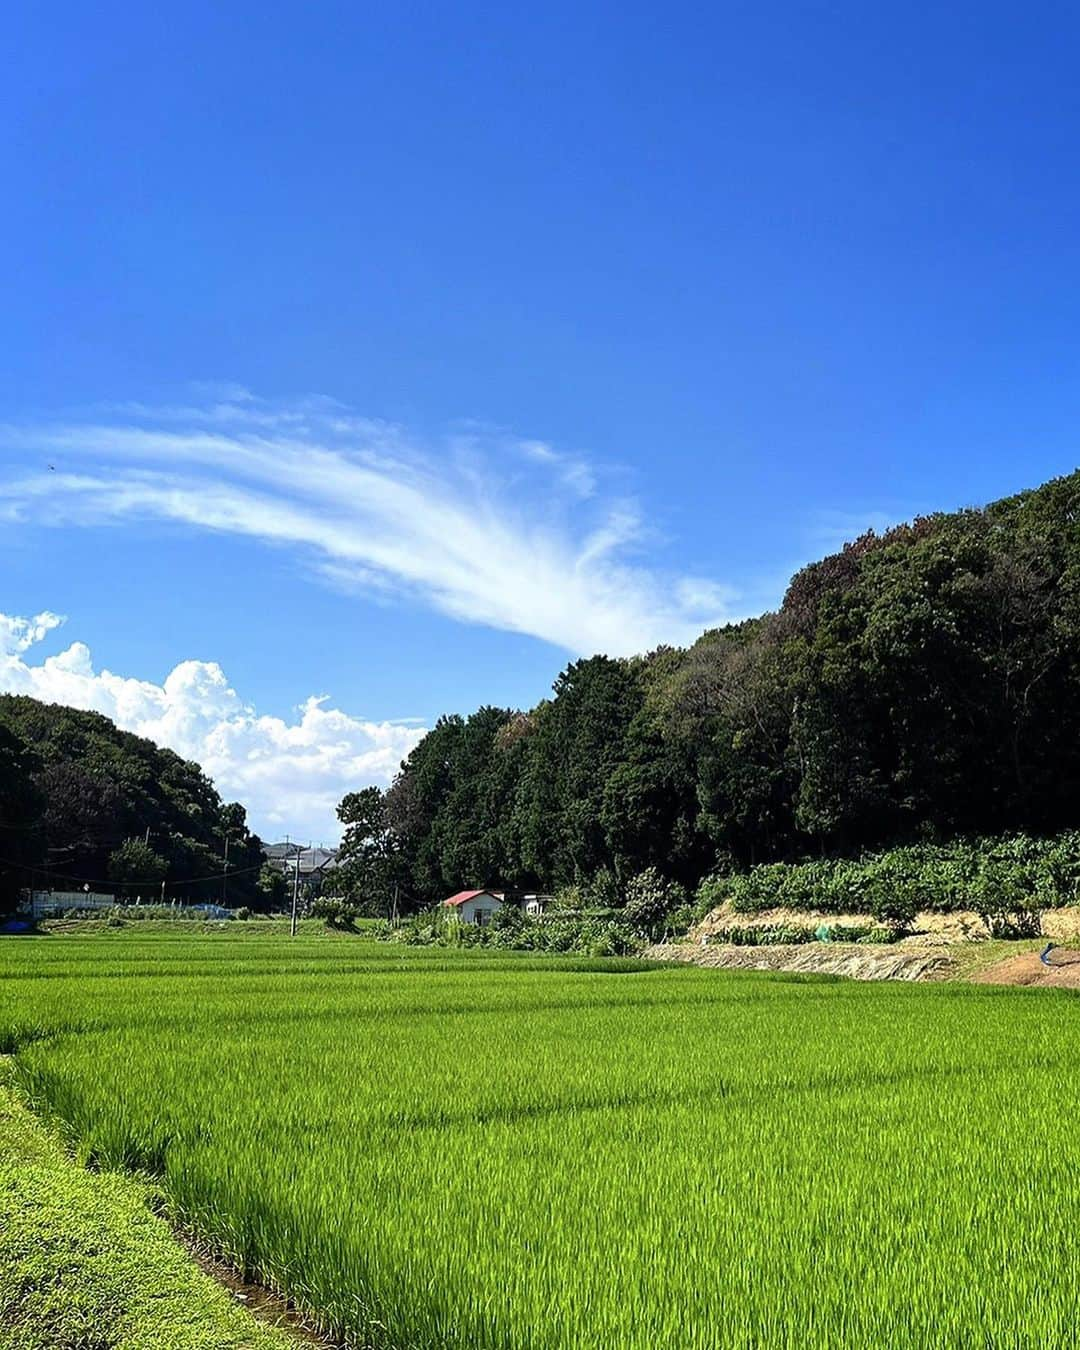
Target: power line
<point>52,875</point>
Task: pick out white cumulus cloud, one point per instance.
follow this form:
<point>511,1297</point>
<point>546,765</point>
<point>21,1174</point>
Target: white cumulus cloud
<point>513,534</point>
<point>18,634</point>
<point>289,774</point>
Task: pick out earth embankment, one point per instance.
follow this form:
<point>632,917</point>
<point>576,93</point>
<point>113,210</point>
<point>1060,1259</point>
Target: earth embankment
<point>848,959</point>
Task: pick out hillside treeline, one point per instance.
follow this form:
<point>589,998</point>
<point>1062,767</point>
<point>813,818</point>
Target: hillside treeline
<point>919,685</point>
<point>82,802</point>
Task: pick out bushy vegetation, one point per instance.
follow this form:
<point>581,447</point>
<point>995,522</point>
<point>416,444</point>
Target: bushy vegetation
<point>767,935</point>
<point>145,913</point>
<point>1006,880</point>
<point>83,802</point>
<point>919,686</point>
<point>334,911</point>
<point>481,1149</point>
<point>510,930</point>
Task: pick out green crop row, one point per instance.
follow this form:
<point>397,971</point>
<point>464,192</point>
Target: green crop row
<point>429,1147</point>
<point>779,934</point>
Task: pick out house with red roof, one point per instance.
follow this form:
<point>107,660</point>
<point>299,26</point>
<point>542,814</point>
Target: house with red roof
<point>475,906</point>
<point>478,906</point>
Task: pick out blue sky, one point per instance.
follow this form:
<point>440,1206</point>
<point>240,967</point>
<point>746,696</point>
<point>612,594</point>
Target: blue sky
<point>399,353</point>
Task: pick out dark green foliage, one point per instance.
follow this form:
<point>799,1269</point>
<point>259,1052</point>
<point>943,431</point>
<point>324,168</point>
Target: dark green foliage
<point>136,868</point>
<point>86,803</point>
<point>917,687</point>
<point>449,810</point>
<point>1001,876</point>
<point>767,935</point>
<point>273,889</point>
<point>510,930</point>
<point>368,873</point>
<point>336,912</point>
<point>21,805</point>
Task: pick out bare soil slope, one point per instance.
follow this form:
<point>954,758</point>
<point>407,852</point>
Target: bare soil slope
<point>930,929</point>
<point>1026,968</point>
<point>814,958</point>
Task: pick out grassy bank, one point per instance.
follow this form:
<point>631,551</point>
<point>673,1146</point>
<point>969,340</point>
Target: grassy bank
<point>86,1265</point>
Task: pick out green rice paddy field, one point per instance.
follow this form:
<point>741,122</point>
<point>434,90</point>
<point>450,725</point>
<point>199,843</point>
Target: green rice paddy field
<point>464,1149</point>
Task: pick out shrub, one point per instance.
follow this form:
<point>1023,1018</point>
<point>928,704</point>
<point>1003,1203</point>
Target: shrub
<point>338,913</point>
<point>507,919</point>
<point>895,910</point>
<point>649,899</point>
<point>767,935</point>
<point>682,918</point>
<point>603,891</point>
<point>589,936</point>
<point>714,891</point>
<point>1013,923</point>
<point>567,899</point>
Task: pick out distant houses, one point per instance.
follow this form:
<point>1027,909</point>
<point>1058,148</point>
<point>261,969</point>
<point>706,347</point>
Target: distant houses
<point>478,906</point>
<point>311,863</point>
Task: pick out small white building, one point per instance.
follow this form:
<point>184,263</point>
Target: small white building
<point>474,906</point>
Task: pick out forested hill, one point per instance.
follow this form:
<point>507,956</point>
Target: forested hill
<point>920,684</point>
<point>82,801</point>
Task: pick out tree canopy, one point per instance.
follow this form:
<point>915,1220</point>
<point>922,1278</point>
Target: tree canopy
<point>919,685</point>
<point>82,802</point>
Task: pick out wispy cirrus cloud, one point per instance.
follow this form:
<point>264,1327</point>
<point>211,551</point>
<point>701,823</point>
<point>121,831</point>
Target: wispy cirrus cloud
<point>289,773</point>
<point>487,528</point>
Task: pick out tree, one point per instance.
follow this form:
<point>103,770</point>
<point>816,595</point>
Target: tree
<point>137,869</point>
<point>366,873</point>
<point>21,803</point>
<point>414,803</point>
<point>650,899</point>
<point>919,684</point>
<point>98,786</point>
<point>272,888</point>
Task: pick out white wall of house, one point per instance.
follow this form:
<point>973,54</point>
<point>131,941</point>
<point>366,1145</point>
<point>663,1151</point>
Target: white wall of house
<point>479,904</point>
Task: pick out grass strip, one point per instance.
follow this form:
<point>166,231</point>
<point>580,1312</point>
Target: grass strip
<point>86,1265</point>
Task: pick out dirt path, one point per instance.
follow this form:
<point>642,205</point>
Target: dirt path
<point>1027,969</point>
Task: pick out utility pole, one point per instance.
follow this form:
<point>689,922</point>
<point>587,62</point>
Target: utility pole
<point>225,875</point>
<point>295,894</point>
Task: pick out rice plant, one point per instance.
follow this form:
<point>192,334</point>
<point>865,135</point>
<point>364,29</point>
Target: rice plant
<point>429,1148</point>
